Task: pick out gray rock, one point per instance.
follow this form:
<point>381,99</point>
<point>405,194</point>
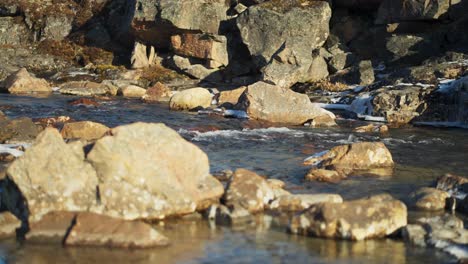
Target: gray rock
<point>341,61</point>
<point>13,31</point>
<point>406,10</point>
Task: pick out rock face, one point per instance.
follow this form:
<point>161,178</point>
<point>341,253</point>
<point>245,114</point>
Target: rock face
<point>148,171</point>
<point>84,130</point>
<point>190,99</point>
<point>267,102</point>
<point>98,230</point>
<point>369,157</point>
<point>299,202</point>
<point>202,46</point>
<point>282,36</point>
<point>248,190</point>
<point>8,225</point>
<point>85,88</point>
<point>22,82</point>
<point>18,130</point>
<point>429,199</point>
<point>53,176</point>
<point>375,217</point>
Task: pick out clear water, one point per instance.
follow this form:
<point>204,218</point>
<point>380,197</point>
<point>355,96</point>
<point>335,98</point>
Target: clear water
<point>421,154</point>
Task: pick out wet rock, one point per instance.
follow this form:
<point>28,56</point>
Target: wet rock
<point>132,91</point>
<point>86,88</point>
<point>52,228</point>
<point>148,171</point>
<point>8,225</point>
<point>374,217</point>
<point>202,46</point>
<point>18,130</point>
<point>99,230</point>
<point>452,184</point>
<point>323,121</point>
<point>281,37</point>
<point>372,128</point>
<point>429,199</point>
<point>230,97</point>
<point>156,93</point>
<point>140,57</point>
<point>191,99</point>
<point>299,202</point>
<point>324,176</point>
<point>278,187</point>
<point>368,157</point>
<point>22,82</point>
<point>53,176</point>
<point>248,190</point>
<point>223,215</point>
<point>86,130</point>
<point>270,103</point>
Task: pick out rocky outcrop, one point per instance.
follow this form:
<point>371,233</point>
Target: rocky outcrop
<point>8,225</point>
<point>374,217</point>
<point>22,82</point>
<point>85,88</point>
<point>148,171</point>
<point>271,103</point>
<point>190,99</point>
<point>54,176</point>
<point>86,130</point>
<point>363,157</point>
<point>52,228</point>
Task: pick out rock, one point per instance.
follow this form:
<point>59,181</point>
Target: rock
<point>202,46</point>
<point>248,190</point>
<point>191,99</point>
<point>85,88</point>
<point>56,122</point>
<point>230,97</point>
<point>8,225</point>
<point>374,217</point>
<point>360,74</point>
<point>52,228</point>
<point>369,157</point>
<point>156,93</point>
<point>340,61</point>
<point>223,215</point>
<point>53,176</point>
<point>18,32</point>
<point>18,130</point>
<point>323,121</point>
<point>57,27</point>
<point>270,103</point>
<point>160,175</point>
<point>197,71</point>
<point>22,82</point>
<point>99,230</point>
<point>140,57</point>
<point>429,199</point>
<point>132,91</point>
<point>86,130</point>
<point>372,128</point>
<point>402,10</point>
<point>318,69</point>
<point>299,202</point>
<point>324,176</point>
<point>281,37</point>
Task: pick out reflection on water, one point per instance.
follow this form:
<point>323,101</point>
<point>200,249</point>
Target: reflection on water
<point>421,155</point>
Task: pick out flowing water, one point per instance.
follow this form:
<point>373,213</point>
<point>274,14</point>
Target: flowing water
<point>421,155</point>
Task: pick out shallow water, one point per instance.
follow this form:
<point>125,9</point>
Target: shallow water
<point>421,154</point>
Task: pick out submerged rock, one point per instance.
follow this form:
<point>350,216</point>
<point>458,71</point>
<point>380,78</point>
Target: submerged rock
<point>8,225</point>
<point>148,171</point>
<point>190,99</point>
<point>53,176</point>
<point>86,130</point>
<point>374,217</point>
<point>430,199</point>
<point>271,103</point>
<point>22,82</point>
<point>99,230</point>
<point>52,228</point>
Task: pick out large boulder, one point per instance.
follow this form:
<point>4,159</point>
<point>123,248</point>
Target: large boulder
<point>149,171</point>
<point>54,176</point>
<point>282,36</point>
<point>271,103</point>
<point>22,82</point>
<point>392,11</point>
<point>374,217</point>
<point>191,99</point>
<point>86,130</point>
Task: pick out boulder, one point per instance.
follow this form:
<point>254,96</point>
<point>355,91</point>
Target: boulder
<point>132,91</point>
<point>323,175</point>
<point>52,228</point>
<point>282,36</point>
<point>156,93</point>
<point>202,46</point>
<point>86,88</point>
<point>197,71</point>
<point>8,225</point>
<point>248,190</point>
<point>99,230</point>
<point>368,157</point>
<point>299,202</point>
<point>191,99</point>
<point>230,97</point>
<point>374,217</point>
<point>263,101</point>
<point>371,128</point>
<point>18,130</point>
<point>453,184</point>
<point>392,11</point>
<point>53,176</point>
<point>318,69</point>
<point>18,32</point>
<point>86,130</point>
<point>148,171</point>
<point>222,215</point>
<point>141,58</point>
<point>22,82</point>
<point>429,199</point>
<point>340,61</point>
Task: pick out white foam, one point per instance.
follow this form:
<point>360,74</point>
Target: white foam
<point>261,134</point>
<point>11,149</point>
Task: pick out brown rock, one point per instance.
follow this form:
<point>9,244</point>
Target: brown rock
<point>323,121</point>
<point>299,202</point>
<point>56,122</point>
<point>132,91</point>
<point>191,99</point>
<point>231,97</point>
<point>157,93</point>
<point>371,128</point>
<point>324,176</point>
<point>22,82</point>
<point>98,230</point>
<point>8,225</point>
<point>18,130</point>
<point>429,199</point>
<point>374,217</point>
<point>84,130</point>
<point>52,228</point>
<point>202,46</point>
<point>450,182</point>
<point>86,88</point>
